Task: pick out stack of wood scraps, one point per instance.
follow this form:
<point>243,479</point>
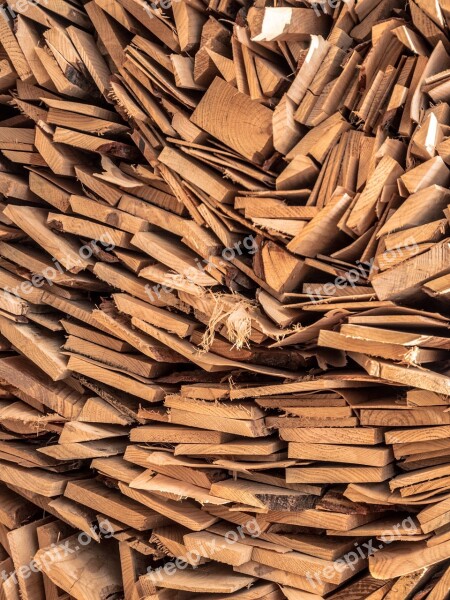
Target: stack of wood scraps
<point>224,300</point>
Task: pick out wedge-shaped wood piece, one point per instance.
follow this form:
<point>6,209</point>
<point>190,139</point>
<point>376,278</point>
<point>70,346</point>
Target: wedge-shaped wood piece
<point>35,480</point>
<point>421,378</point>
<point>376,457</point>
<point>406,278</point>
<point>13,50</point>
<point>378,334</point>
<point>89,229</point>
<point>85,450</point>
<point>116,467</point>
<point>189,22</point>
<point>401,418</point>
<point>185,512</point>
<point>272,207</point>
<point>245,428</point>
<point>196,236</point>
<point>34,222</point>
<point>91,57</point>
<point>134,307</point>
<point>196,173</point>
<point>122,279</point>
<point>39,263</point>
<point>60,158</point>
<point>95,495</point>
<point>60,397</point>
<point>388,350</point>
<point>245,447</point>
<point>261,495</point>
<point>76,515</point>
<point>302,564</point>
<point>431,172</point>
<point>89,368</point>
<point>208,579</point>
<point>97,410</point>
<point>403,558</point>
<point>109,216</point>
<point>23,545</point>
<point>229,410</point>
<point>327,548</point>
<point>305,587</point>
<point>50,189</point>
<point>318,236</point>
<point>128,363</point>
<point>91,143</point>
<point>363,213</point>
<point>339,474</point>
<point>177,435</point>
<point>145,344</point>
<point>170,252</point>
<point>42,348</point>
<point>419,209</point>
<point>84,123</point>
<point>218,548</point>
<point>316,435</point>
<point>280,270</point>
<point>301,173</point>
<point>250,133</point>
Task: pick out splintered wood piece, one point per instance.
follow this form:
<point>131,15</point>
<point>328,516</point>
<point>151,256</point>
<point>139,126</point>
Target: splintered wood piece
<point>177,489</point>
<point>261,495</point>
<point>185,512</point>
<point>427,380</point>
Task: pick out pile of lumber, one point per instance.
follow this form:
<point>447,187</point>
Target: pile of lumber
<point>224,300</point>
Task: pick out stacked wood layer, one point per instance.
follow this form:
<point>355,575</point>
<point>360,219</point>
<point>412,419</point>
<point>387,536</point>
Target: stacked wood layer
<point>224,300</point>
